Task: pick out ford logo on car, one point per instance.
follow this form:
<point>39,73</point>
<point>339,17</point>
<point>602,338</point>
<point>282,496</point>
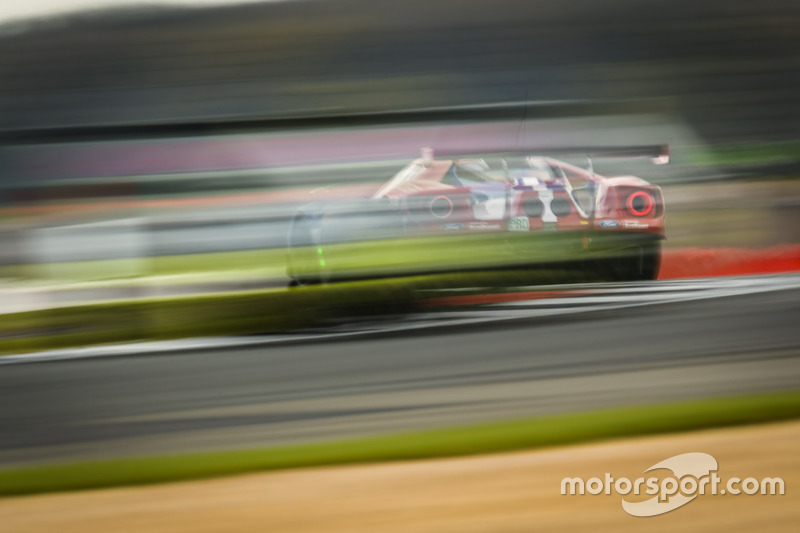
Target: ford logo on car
<point>609,224</point>
<point>453,226</point>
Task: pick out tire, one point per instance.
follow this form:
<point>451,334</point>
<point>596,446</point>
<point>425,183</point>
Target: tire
<point>650,261</point>
<point>640,262</point>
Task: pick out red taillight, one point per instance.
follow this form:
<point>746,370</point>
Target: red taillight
<point>640,204</point>
<point>441,207</point>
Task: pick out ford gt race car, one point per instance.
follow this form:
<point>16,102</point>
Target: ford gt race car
<point>503,210</point>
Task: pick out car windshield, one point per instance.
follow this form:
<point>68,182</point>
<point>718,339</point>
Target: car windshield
<point>471,173</point>
<point>407,174</point>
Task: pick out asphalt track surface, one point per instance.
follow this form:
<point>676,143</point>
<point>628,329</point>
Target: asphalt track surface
<point>626,346</point>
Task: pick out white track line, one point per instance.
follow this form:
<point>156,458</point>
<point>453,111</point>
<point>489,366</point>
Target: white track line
<point>698,290</point>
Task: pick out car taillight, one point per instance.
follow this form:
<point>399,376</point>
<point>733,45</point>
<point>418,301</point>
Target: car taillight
<point>640,204</point>
<point>441,207</point>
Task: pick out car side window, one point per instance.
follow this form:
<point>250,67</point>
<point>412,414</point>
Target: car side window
<point>468,176</point>
<point>580,183</point>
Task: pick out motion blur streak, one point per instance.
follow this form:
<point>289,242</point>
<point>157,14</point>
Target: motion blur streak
<point>169,173</point>
<point>297,393</point>
<point>199,166</point>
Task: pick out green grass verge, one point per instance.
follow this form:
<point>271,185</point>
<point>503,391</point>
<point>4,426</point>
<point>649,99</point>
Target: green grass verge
<point>239,313</point>
<point>478,439</point>
<point>357,258</point>
<point>745,154</point>
<point>267,262</point>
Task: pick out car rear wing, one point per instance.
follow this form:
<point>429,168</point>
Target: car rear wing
<point>658,153</point>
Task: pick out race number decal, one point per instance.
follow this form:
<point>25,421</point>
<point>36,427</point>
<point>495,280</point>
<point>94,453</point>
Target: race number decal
<point>519,224</point>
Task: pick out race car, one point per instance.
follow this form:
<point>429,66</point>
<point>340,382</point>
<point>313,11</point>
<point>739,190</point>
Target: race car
<point>501,210</point>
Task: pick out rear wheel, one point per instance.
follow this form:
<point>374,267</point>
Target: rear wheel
<point>650,264</point>
<point>640,262</point>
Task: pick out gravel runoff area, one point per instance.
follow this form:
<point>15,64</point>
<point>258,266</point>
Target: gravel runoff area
<point>503,492</point>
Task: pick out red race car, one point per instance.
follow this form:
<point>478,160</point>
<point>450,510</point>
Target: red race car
<point>507,210</point>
